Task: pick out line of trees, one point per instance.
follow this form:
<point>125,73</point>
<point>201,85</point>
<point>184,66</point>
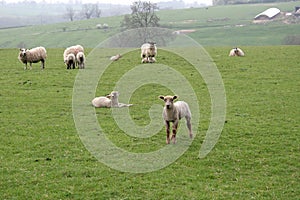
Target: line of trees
<point>87,11</point>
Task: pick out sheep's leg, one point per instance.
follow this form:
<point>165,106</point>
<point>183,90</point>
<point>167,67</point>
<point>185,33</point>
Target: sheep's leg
<point>189,125</point>
<point>174,131</point>
<point>25,66</point>
<point>42,64</point>
<point>168,132</point>
<point>30,64</point>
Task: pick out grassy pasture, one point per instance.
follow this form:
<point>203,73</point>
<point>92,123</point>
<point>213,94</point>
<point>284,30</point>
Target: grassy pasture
<point>256,157</point>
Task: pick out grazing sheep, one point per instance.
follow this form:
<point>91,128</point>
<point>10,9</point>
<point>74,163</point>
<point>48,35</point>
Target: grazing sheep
<point>148,52</point>
<point>236,52</point>
<point>173,112</point>
<point>33,55</point>
<point>73,49</point>
<point>71,61</point>
<point>109,101</point>
<point>116,57</point>
<point>80,60</point>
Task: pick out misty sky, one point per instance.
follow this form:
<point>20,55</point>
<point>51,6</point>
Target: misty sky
<point>124,2</point>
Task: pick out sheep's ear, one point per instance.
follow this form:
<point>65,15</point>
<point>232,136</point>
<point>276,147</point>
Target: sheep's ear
<point>108,96</point>
<point>161,97</point>
<point>175,97</point>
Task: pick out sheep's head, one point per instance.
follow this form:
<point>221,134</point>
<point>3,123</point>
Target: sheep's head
<point>236,50</point>
<point>168,100</point>
<point>23,52</point>
<point>113,95</point>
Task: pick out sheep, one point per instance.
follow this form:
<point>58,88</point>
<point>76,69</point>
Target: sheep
<point>33,55</point>
<point>73,49</point>
<point>109,101</point>
<point>236,52</point>
<point>173,112</point>
<point>148,52</point>
<point>80,60</point>
<point>71,61</point>
<point>116,57</point>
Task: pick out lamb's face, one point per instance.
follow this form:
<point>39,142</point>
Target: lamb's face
<point>114,94</point>
<point>169,100</point>
<point>23,52</point>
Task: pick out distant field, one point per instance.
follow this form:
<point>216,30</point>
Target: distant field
<point>215,26</point>
<point>256,157</point>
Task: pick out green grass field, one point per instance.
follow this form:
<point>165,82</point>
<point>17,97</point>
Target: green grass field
<point>256,157</point>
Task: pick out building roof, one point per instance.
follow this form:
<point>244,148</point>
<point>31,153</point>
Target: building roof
<point>269,13</point>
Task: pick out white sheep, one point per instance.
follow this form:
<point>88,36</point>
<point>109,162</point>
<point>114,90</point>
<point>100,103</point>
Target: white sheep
<point>73,49</point>
<point>80,60</point>
<point>109,101</point>
<point>33,55</point>
<point>148,52</point>
<point>236,52</point>
<point>71,61</point>
<point>173,112</point>
<point>116,57</point>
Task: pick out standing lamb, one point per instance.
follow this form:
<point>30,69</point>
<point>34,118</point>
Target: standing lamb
<point>73,49</point>
<point>71,61</point>
<point>173,112</point>
<point>33,55</point>
<point>148,52</point>
<point>80,60</point>
<point>109,101</point>
<point>236,52</point>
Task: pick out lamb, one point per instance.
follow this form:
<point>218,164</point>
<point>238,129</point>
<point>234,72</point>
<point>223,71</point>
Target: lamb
<point>73,49</point>
<point>71,61</point>
<point>116,57</point>
<point>80,60</point>
<point>148,52</point>
<point>109,101</point>
<point>236,52</point>
<point>173,112</point>
<point>33,55</point>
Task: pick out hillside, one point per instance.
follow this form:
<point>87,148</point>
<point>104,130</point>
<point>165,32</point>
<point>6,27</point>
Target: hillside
<point>217,25</point>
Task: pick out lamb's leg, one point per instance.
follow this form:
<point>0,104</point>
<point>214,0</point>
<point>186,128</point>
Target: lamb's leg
<point>30,64</point>
<point>25,66</point>
<point>42,64</point>
<point>168,132</point>
<point>174,131</point>
<point>189,125</point>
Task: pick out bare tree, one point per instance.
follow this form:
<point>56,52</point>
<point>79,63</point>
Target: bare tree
<point>87,10</point>
<point>70,13</point>
<point>142,15</point>
<point>97,11</point>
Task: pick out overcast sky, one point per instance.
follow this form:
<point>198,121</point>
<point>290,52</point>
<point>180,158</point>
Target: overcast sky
<point>124,2</point>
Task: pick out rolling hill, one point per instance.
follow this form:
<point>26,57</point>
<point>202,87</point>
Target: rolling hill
<point>229,25</point>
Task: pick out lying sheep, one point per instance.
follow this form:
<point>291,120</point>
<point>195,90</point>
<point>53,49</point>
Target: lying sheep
<point>109,101</point>
<point>71,61</point>
<point>73,49</point>
<point>148,52</point>
<point>116,57</point>
<point>173,112</point>
<point>34,55</point>
<point>80,60</point>
<point>236,52</point>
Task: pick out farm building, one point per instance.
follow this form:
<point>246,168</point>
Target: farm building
<point>267,14</point>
